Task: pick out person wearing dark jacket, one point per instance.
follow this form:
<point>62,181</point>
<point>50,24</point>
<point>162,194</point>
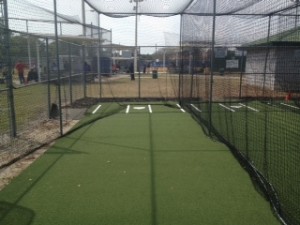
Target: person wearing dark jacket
<point>131,71</point>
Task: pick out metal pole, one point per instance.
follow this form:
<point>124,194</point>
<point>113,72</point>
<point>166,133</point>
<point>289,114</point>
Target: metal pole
<point>9,79</point>
<point>241,75</point>
<point>136,37</point>
<point>266,57</point>
<point>212,66</point>
<point>60,28</point>
<point>181,61</point>
<point>48,78</point>
<point>139,76</point>
<point>135,47</point>
<point>58,69</point>
<point>265,163</point>
<point>28,45</point>
<point>70,73</point>
<point>99,57</point>
<point>191,70</point>
<point>190,62</point>
<point>111,51</point>
<point>38,60</point>
<point>92,33</point>
<point>84,71</point>
<point>83,17</point>
<point>164,58</point>
<point>296,17</point>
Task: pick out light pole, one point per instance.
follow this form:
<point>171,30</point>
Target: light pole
<point>164,58</point>
<point>1,14</point>
<point>83,17</point>
<point>136,37</point>
<point>135,8</point>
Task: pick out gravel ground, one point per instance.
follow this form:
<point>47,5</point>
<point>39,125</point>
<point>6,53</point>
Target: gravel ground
<point>12,171</point>
<point>9,172</point>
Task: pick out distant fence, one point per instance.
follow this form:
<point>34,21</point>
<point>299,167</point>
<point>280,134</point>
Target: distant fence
<point>34,109</point>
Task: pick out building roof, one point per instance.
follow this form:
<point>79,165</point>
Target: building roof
<point>287,38</point>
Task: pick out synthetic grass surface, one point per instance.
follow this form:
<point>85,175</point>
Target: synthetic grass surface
<point>267,134</point>
<point>135,168</point>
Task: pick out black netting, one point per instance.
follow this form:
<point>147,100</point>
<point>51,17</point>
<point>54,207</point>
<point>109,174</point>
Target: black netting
<point>247,87</point>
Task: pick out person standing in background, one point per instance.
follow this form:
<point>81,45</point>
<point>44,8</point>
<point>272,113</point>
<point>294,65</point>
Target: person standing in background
<point>131,71</point>
<point>20,66</point>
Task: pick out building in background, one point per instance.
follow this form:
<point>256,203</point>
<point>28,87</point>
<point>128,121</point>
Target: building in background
<point>274,65</point>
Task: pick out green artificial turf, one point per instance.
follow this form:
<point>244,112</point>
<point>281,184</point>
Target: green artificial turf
<point>267,135</point>
<point>139,168</point>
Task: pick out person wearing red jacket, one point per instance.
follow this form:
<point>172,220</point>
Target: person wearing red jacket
<point>20,68</point>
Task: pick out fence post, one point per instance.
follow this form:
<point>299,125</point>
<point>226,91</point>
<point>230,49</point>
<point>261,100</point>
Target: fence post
<point>99,57</point>
<point>84,71</point>
<point>191,70</point>
<point>70,73</point>
<point>266,58</point>
<point>241,74</point>
<point>266,139</point>
<point>58,69</point>
<point>9,78</point>
<point>180,72</point>
<point>48,77</point>
<point>212,67</point>
<point>28,44</point>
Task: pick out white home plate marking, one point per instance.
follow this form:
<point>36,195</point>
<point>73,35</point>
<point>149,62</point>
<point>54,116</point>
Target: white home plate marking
<point>224,106</point>
<point>128,108</point>
<point>96,109</point>
<point>182,110</point>
<point>289,106</point>
<point>139,107</point>
<point>150,109</point>
<point>255,110</point>
<point>197,109</point>
<point>236,106</point>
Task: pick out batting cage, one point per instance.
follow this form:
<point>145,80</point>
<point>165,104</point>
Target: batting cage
<point>233,65</point>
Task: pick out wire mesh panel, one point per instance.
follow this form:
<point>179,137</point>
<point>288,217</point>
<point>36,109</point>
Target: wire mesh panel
<point>252,87</point>
<point>5,121</point>
<point>24,99</point>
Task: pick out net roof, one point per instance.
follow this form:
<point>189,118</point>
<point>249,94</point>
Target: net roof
<point>123,8</point>
<point>23,9</point>
<point>237,22</point>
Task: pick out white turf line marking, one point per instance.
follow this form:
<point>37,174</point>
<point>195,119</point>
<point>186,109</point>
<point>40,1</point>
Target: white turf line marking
<point>150,109</point>
<point>139,107</point>
<point>197,109</point>
<point>224,106</point>
<point>96,109</point>
<point>182,110</point>
<point>290,106</point>
<point>128,108</point>
<point>236,106</point>
<point>255,110</point>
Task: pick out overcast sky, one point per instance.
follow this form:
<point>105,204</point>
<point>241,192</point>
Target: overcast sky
<point>151,30</point>
<point>159,31</point>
